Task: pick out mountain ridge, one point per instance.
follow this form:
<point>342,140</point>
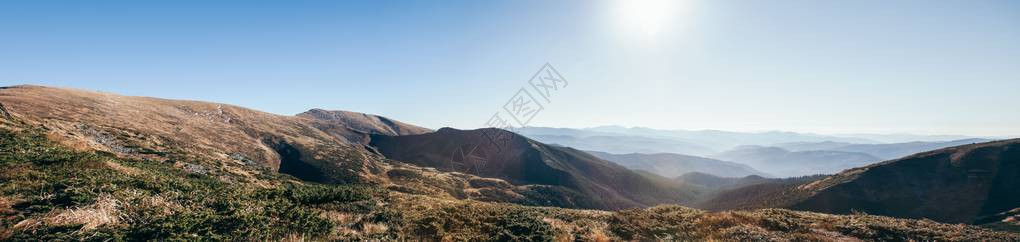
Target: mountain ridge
<point>520,160</point>
<point>781,162</point>
<point>957,185</point>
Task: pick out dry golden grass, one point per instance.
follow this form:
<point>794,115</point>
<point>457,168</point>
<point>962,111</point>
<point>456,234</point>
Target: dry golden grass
<point>27,224</point>
<point>374,228</point>
<point>162,204</point>
<point>725,219</point>
<point>106,211</point>
<point>296,237</point>
<point>340,217</point>
<point>5,204</point>
<point>123,169</point>
<point>597,236</point>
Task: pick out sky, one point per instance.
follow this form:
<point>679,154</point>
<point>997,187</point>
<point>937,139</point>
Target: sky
<point>867,66</point>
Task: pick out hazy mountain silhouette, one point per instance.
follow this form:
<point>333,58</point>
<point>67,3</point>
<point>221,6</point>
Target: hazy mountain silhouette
<point>716,182</point>
<point>674,165</point>
<point>723,140</point>
<point>784,163</point>
<point>624,144</point>
<point>884,151</point>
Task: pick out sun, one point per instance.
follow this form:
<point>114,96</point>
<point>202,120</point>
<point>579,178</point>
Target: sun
<point>648,16</point>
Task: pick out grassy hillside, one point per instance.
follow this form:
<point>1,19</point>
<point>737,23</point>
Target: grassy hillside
<point>49,192</point>
<point>78,165</point>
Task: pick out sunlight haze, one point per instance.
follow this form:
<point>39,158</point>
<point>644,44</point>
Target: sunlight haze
<point>927,67</point>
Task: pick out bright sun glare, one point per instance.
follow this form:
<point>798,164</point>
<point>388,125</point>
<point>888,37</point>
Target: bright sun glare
<point>648,16</point>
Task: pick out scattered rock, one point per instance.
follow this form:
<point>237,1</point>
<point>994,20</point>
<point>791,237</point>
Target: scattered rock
<point>105,139</point>
<point>195,169</point>
<point>243,159</point>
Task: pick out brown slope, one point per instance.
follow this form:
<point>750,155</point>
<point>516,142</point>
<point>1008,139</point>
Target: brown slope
<point>519,160</point>
<point>365,123</point>
<point>954,185</point>
<point>216,137</point>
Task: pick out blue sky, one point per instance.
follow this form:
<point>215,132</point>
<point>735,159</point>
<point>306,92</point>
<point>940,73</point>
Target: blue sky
<point>928,67</point>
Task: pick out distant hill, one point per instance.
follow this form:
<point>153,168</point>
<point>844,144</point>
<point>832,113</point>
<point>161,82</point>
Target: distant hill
<point>689,142</point>
<point>808,146</point>
<point>624,144</point>
<point>884,151</point>
<point>521,161</point>
<point>956,185</point>
<point>722,140</point>
<point>906,138</point>
<point>673,165</point>
<point>710,181</point>
<point>784,163</point>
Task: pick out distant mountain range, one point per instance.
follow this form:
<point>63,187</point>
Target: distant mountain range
<point>905,138</point>
<point>674,165</point>
<point>884,151</point>
<point>784,163</point>
<point>784,154</point>
<point>717,141</point>
<point>723,140</point>
<point>625,144</point>
<point>705,141</point>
